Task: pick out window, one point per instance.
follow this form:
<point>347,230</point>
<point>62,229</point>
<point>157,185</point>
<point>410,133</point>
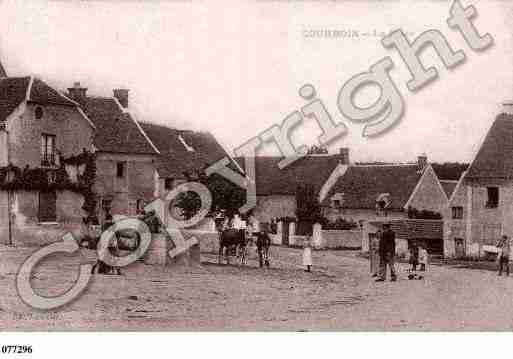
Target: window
<point>47,150</point>
<point>38,113</point>
<point>457,212</point>
<point>120,169</point>
<point>168,183</point>
<point>493,197</point>
<point>47,206</point>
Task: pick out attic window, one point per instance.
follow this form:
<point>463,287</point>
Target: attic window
<point>187,147</point>
<point>38,113</point>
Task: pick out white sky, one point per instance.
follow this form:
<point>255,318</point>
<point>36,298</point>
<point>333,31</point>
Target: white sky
<point>234,67</point>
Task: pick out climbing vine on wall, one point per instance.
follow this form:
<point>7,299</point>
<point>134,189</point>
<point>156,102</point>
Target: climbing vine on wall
<point>14,178</point>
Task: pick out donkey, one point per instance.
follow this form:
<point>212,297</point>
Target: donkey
<point>230,238</point>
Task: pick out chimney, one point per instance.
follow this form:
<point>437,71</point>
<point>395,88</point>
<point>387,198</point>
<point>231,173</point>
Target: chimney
<point>77,92</point>
<point>122,96</point>
<point>344,156</point>
<point>2,71</point>
<point>422,161</point>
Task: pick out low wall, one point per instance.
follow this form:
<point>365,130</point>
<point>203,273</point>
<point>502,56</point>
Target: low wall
<point>341,239</point>
<point>297,240</point>
<point>208,241</point>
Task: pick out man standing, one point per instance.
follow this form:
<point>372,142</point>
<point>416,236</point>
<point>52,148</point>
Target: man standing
<point>504,246</point>
<point>387,254</point>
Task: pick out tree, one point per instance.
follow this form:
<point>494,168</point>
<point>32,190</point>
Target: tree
<point>308,209</point>
<point>226,196</point>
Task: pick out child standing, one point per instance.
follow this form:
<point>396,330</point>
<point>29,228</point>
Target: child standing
<point>307,254</point>
<point>423,258</point>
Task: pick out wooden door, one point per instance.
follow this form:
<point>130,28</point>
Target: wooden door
<point>285,233</point>
<point>459,248</point>
<point>48,206</point>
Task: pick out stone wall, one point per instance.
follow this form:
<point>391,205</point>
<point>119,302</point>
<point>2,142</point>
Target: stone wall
<point>72,134</point>
<point>341,239</point>
<point>137,184</point>
<point>275,206</point>
<point>26,229</point>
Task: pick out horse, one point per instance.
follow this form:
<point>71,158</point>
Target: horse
<point>263,246</point>
<point>230,238</point>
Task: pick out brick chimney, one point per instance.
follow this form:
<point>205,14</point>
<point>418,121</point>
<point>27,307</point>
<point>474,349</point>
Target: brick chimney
<point>77,92</point>
<point>422,161</point>
<point>344,156</point>
<point>122,96</point>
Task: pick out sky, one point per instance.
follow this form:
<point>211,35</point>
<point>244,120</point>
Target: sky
<point>234,68</point>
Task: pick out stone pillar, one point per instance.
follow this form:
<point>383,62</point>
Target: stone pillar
<point>292,228</point>
<point>4,148</point>
<point>317,235</point>
<point>279,231</point>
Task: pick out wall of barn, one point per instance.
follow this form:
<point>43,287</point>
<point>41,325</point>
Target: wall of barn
<point>73,133</point>
<point>488,224</point>
<point>275,206</point>
<point>138,183</point>
<point>429,194</point>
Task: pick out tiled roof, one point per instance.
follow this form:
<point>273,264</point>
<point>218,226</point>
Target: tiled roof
<point>310,170</point>
<point>183,151</point>
<point>13,91</point>
<point>495,157</point>
<point>414,228</point>
<point>116,131</point>
<point>44,94</point>
<point>448,186</point>
<point>361,185</point>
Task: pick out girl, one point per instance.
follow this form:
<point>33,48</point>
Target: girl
<point>423,257</point>
<point>307,254</point>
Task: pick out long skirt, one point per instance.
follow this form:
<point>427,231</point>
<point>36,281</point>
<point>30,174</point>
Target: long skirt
<point>307,256</point>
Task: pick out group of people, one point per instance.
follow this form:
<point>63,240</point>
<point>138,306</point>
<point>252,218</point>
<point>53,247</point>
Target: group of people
<point>383,255</point>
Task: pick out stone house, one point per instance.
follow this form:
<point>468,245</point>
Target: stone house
<point>385,192</point>
<point>481,207</point>
<point>276,188</point>
<point>125,156</point>
<point>39,127</point>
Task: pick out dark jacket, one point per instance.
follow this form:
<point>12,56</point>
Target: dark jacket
<point>387,243</point>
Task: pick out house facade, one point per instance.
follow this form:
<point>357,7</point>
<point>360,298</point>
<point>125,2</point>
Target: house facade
<point>125,156</point>
<point>483,200</point>
<point>39,129</point>
<point>381,193</point>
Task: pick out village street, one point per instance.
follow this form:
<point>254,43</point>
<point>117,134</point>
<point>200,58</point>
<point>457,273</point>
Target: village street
<point>338,295</point>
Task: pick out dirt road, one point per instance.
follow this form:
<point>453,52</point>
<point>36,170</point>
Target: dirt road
<point>338,295</point>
